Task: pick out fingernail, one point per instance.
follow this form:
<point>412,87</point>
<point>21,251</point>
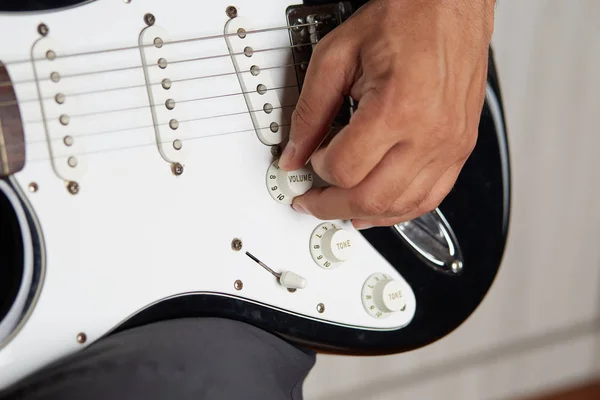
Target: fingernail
<point>299,208</point>
<point>362,225</point>
<point>287,155</point>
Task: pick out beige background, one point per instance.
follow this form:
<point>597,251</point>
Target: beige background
<point>539,327</point>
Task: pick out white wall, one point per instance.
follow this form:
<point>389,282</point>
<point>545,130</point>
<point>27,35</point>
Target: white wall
<point>539,327</point>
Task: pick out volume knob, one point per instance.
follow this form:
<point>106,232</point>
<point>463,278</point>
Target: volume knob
<point>285,185</point>
<point>381,296</point>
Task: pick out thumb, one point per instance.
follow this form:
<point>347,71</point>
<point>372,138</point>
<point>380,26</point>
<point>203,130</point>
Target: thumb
<point>328,79</point>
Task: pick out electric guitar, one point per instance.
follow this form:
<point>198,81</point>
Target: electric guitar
<point>139,181</point>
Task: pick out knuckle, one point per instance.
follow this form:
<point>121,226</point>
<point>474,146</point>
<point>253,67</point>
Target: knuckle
<point>341,176</point>
<point>373,204</point>
<point>467,142</point>
<point>411,205</point>
<point>427,205</point>
<point>301,117</point>
<point>318,214</point>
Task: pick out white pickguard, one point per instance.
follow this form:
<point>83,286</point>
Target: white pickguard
<point>136,233</point>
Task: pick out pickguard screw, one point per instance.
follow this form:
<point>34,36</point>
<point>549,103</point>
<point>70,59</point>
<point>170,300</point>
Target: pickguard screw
<point>43,29</point>
<point>50,55</point>
<point>276,150</point>
<point>73,187</point>
<point>291,290</point>
<point>231,12</point>
<point>236,244</point>
<point>238,285</point>
<point>149,19</point>
<point>321,308</point>
<point>81,338</point>
<point>33,187</point>
<point>177,169</point>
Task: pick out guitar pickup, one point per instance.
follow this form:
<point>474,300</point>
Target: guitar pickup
<point>263,64</point>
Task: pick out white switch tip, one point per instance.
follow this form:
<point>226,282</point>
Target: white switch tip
<point>291,280</point>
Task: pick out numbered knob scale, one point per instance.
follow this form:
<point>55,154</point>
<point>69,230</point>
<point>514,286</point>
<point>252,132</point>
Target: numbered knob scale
<point>285,185</point>
<point>382,296</point>
<point>330,245</point>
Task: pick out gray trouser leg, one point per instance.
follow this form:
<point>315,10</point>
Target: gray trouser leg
<point>204,358</point>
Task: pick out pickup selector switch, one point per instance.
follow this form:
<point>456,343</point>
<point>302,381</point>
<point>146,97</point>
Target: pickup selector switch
<point>283,185</point>
<point>330,245</point>
<point>382,296</point>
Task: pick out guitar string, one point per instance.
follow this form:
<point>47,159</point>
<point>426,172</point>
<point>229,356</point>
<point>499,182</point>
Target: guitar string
<point>138,127</point>
<point>97,133</point>
<point>202,58</point>
<point>213,97</point>
<point>11,103</point>
<point>178,41</point>
<point>153,143</point>
<point>205,58</point>
<point>90,113</point>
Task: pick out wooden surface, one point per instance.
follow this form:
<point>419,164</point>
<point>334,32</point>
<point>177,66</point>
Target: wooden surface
<point>584,391</point>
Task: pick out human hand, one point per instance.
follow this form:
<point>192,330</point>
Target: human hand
<point>418,69</point>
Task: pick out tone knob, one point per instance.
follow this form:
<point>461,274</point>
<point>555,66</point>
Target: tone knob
<point>285,185</point>
<point>382,296</point>
<point>330,245</point>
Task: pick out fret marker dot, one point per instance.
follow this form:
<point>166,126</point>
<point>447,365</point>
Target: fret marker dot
<point>261,89</point>
<point>174,124</point>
